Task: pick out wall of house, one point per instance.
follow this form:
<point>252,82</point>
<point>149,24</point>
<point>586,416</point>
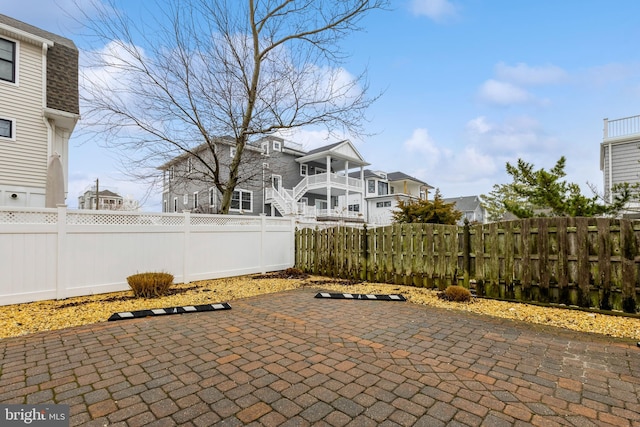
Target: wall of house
<point>23,161</point>
<point>55,253</point>
<point>625,162</point>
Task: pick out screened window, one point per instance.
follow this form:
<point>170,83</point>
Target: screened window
<point>7,60</point>
<point>371,186</point>
<point>383,188</point>
<point>241,200</point>
<point>195,200</point>
<point>383,204</point>
<point>6,128</point>
<point>304,170</point>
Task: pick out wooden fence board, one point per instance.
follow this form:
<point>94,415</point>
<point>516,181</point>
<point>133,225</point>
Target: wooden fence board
<point>584,261</point>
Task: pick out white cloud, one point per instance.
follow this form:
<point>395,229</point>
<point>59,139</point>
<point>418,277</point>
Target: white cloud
<point>523,74</point>
<point>422,143</point>
<point>438,10</point>
<point>503,93</point>
<point>512,138</point>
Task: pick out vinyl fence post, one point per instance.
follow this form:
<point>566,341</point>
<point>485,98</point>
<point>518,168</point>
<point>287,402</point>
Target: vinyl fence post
<point>61,259</point>
<point>187,245</point>
<point>263,230</point>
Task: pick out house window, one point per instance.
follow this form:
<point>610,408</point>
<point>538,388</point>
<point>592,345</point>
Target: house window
<point>304,200</point>
<point>371,186</point>
<point>195,200</point>
<point>185,199</point>
<point>232,152</point>
<point>241,200</point>
<point>175,204</point>
<point>304,170</point>
<point>165,205</point>
<point>386,204</point>
<point>265,147</point>
<point>393,190</point>
<point>354,208</point>
<point>7,61</point>
<point>172,173</point>
<point>189,165</point>
<point>383,188</point>
<point>277,146</point>
<point>6,129</point>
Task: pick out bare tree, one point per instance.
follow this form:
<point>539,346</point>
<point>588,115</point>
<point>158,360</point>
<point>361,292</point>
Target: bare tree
<point>196,70</point>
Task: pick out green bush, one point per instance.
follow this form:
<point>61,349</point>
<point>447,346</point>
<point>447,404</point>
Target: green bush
<point>457,294</point>
<point>149,285</point>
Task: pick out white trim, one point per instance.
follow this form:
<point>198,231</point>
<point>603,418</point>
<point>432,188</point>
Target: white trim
<point>277,146</point>
<point>185,199</point>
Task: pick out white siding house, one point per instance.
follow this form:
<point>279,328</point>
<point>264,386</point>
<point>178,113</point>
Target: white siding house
<point>620,153</point>
<point>39,108</point>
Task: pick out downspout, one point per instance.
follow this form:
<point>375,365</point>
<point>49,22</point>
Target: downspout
<point>610,174</point>
<point>50,130</point>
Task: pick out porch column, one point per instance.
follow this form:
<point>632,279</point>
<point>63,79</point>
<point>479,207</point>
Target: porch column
<point>346,179</point>
<point>363,203</point>
<point>328,184</point>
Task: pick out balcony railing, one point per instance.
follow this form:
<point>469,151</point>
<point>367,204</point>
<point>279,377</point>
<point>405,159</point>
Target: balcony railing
<point>621,127</point>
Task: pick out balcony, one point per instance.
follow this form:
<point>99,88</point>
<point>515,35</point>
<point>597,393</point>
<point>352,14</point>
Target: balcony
<point>623,127</point>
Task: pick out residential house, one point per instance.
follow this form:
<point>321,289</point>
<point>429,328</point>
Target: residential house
<point>107,200</point>
<point>39,108</point>
<point>384,190</point>
<point>471,208</point>
<point>277,178</point>
<point>620,155</point>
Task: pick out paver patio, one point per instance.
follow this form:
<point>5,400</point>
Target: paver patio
<point>289,359</point>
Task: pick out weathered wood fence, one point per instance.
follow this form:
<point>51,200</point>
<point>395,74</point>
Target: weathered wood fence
<point>588,262</point>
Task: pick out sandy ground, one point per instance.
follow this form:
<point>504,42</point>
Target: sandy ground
<point>21,319</point>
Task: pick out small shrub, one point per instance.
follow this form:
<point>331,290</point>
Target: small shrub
<point>457,294</point>
<point>149,285</point>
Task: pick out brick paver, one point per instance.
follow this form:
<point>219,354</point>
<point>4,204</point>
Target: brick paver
<point>290,359</point>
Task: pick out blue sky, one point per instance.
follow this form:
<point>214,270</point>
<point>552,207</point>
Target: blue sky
<point>467,86</point>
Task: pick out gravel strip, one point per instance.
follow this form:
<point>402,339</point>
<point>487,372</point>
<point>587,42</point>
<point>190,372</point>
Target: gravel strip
<point>21,319</point>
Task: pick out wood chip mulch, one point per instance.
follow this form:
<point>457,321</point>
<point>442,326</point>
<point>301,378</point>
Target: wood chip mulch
<point>21,319</point>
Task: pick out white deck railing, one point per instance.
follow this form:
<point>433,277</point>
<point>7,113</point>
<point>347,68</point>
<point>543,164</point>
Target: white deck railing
<point>621,127</point>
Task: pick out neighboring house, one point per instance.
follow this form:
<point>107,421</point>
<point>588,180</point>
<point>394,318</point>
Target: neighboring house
<point>278,178</point>
<point>620,154</point>
<point>39,108</point>
<point>471,208</point>
<point>384,190</point>
<point>108,200</point>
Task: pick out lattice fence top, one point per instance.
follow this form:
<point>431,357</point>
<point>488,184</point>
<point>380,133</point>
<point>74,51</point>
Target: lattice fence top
<point>25,217</point>
<point>222,220</point>
<point>78,218</point>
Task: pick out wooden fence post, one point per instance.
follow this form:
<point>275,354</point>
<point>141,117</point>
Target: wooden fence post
<point>629,252</point>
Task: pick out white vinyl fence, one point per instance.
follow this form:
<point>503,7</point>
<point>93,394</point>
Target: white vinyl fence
<point>60,253</point>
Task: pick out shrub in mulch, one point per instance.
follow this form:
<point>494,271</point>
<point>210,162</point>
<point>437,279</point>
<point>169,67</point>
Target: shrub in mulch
<point>149,285</point>
<point>456,294</point>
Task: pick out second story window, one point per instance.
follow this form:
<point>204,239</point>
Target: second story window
<point>383,188</point>
<point>304,170</point>
<point>371,186</point>
<point>7,60</point>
